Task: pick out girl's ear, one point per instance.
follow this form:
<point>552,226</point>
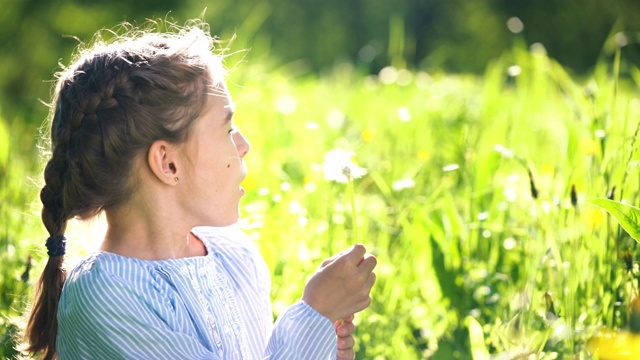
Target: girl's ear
<point>163,161</point>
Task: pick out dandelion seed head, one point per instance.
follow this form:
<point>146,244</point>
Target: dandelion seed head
<point>509,243</point>
<point>310,187</point>
<point>515,25</point>
<point>286,105</point>
<point>405,77</point>
<point>295,207</point>
<point>346,171</point>
<point>514,70</point>
<point>621,39</point>
<point>481,292</point>
<point>510,194</point>
<point>538,49</point>
<point>388,75</point>
<point>335,118</point>
<point>339,167</point>
<point>404,114</point>
<point>338,219</point>
<point>285,186</point>
<point>11,250</point>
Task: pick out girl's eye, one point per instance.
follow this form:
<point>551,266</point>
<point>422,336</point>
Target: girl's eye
<point>233,130</point>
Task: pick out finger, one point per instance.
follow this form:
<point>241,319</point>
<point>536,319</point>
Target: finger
<point>363,304</point>
<point>368,263</point>
<point>346,329</point>
<point>334,257</point>
<point>345,343</point>
<point>355,254</point>
<point>328,261</point>
<point>346,354</point>
<point>371,280</point>
<point>347,319</point>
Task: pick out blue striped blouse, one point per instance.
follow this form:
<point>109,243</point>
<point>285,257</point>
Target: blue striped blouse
<point>215,306</point>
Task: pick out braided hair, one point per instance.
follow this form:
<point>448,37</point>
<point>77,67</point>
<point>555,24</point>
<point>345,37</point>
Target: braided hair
<point>108,107</point>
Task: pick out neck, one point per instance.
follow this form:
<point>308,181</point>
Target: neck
<point>148,235</point>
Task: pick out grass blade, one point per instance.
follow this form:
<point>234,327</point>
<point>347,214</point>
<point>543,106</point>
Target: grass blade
<point>628,216</point>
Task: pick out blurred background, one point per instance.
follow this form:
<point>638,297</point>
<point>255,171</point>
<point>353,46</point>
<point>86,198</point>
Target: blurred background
<point>451,35</point>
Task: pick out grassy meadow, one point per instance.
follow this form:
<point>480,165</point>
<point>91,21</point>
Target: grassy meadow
<point>474,201</point>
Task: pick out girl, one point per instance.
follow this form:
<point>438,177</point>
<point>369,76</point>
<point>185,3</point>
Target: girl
<point>143,130</point>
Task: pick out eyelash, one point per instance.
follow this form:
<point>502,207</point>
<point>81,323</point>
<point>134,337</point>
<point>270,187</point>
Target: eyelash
<point>233,130</point>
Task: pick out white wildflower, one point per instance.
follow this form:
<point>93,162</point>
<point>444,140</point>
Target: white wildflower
<point>505,152</point>
<point>402,184</point>
<point>451,167</point>
<point>339,167</point>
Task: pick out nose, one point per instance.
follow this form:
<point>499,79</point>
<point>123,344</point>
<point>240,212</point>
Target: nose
<point>242,144</point>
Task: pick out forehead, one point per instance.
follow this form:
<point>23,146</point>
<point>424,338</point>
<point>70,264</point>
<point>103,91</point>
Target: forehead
<point>220,106</point>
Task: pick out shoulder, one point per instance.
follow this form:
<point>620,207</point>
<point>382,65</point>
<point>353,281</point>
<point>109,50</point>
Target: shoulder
<point>103,282</point>
<point>102,267</point>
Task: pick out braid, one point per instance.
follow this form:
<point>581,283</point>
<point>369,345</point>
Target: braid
<point>42,321</point>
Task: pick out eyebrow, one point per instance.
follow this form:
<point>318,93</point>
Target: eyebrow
<point>230,111</point>
<point>229,116</point>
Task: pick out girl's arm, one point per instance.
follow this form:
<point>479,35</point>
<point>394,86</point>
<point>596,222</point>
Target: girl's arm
<point>338,289</point>
<point>302,333</point>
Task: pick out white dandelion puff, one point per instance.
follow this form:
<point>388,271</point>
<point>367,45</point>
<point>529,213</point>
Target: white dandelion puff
<point>339,167</point>
<point>404,114</point>
<point>286,105</point>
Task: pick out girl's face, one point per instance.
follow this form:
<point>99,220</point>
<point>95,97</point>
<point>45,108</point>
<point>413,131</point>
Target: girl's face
<point>214,151</point>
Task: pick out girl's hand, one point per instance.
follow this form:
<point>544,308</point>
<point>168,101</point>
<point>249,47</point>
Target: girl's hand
<point>344,330</point>
<point>341,286</point>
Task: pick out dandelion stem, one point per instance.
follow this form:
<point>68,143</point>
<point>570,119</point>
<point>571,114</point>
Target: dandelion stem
<point>352,196</point>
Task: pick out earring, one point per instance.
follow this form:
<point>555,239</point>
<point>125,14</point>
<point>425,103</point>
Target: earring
<point>176,179</point>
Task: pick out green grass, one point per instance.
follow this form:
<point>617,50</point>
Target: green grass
<point>467,246</point>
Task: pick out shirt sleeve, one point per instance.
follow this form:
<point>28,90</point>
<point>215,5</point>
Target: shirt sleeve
<point>102,316</point>
<point>302,333</point>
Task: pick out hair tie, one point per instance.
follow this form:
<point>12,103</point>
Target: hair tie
<point>56,245</point>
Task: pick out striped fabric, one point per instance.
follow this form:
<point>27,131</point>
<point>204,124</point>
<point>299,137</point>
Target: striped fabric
<point>210,307</point>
